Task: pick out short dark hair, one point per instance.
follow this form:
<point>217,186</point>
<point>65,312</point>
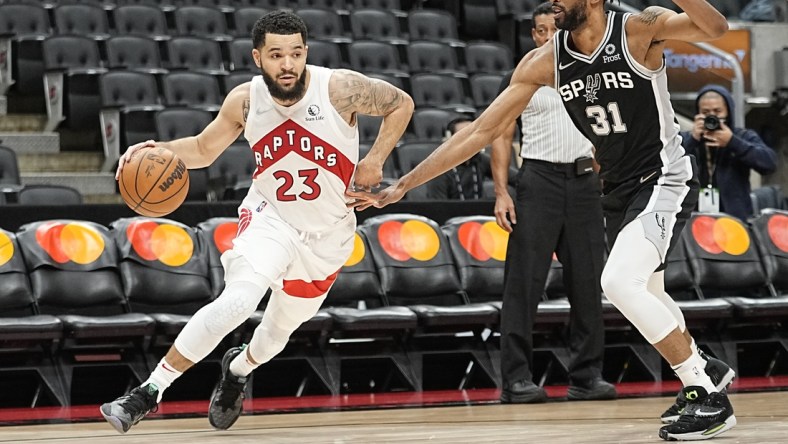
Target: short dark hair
<point>451,127</point>
<point>543,9</point>
<point>277,22</point>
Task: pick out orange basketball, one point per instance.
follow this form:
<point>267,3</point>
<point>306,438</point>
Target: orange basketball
<point>154,182</point>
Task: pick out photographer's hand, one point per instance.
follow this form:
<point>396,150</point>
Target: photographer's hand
<point>698,129</point>
<point>718,138</point>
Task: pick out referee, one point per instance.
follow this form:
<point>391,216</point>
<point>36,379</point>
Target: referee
<point>558,208</point>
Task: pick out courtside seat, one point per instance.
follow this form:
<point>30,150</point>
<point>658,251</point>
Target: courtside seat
<point>415,264</point>
<point>73,273</point>
<point>478,246</point>
<point>27,339</point>
<point>681,286</point>
<point>769,229</point>
<point>164,271</point>
<point>726,264</point>
<point>217,234</point>
<point>416,270</point>
<point>723,256</point>
<point>357,305</point>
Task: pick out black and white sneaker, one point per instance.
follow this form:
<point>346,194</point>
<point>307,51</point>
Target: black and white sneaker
<point>721,375</point>
<point>227,401</point>
<point>128,410</point>
<point>705,416</point>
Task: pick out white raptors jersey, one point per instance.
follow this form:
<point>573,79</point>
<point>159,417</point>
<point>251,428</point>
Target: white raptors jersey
<point>306,154</point>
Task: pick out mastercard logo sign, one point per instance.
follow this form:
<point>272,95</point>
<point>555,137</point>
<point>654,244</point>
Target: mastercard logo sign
<point>169,244</point>
<point>223,236</point>
<point>718,235</point>
<point>72,241</point>
<point>777,227</point>
<point>359,251</point>
<point>6,248</point>
<point>483,241</point>
<point>412,239</point>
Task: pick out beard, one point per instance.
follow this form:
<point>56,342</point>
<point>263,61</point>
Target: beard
<point>572,18</point>
<point>286,95</point>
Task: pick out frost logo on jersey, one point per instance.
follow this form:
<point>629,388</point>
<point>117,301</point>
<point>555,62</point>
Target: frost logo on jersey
<point>610,80</point>
<point>314,113</point>
<point>290,137</point>
<point>592,86</point>
<point>609,50</point>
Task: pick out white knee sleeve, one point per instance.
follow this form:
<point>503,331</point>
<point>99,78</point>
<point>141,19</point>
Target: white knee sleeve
<point>656,286</point>
<point>625,278</point>
<point>283,315</point>
<point>214,321</point>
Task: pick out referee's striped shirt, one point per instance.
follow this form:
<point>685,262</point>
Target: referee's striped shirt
<point>548,133</point>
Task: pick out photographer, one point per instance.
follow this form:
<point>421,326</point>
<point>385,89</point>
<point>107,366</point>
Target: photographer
<point>725,154</point>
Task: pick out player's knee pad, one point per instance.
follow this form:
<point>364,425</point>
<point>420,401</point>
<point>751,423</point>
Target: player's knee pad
<point>236,303</point>
<point>214,321</point>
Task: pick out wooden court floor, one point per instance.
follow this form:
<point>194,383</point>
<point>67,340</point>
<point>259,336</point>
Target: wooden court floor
<point>762,418</point>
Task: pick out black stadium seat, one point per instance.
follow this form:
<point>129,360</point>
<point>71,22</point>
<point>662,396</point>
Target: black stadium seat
<point>358,283</point>
<point>138,53</point>
<point>417,270</point>
<point>82,19</point>
<point>27,339</point>
<point>73,269</point>
<point>141,20</point>
<point>49,195</point>
<point>152,251</point>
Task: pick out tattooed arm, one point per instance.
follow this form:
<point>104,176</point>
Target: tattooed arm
<point>353,93</point>
<point>699,22</point>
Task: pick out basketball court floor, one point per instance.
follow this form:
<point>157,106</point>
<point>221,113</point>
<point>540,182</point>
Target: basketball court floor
<point>458,417</point>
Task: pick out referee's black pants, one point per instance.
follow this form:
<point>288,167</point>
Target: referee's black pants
<point>556,211</point>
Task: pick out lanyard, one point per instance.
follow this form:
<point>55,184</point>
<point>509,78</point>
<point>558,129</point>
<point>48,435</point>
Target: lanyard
<point>458,182</point>
<point>711,165</point>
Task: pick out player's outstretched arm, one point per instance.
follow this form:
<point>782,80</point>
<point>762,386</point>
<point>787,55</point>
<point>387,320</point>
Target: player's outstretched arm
<point>201,150</point>
<point>352,93</point>
<point>699,22</point>
<point>533,71</point>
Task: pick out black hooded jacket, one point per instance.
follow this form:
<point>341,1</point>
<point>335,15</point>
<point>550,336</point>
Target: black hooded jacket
<point>746,150</point>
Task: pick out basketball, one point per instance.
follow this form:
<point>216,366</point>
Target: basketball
<point>154,182</point>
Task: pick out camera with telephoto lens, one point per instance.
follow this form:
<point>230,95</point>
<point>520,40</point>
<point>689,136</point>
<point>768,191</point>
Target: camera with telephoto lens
<point>711,123</point>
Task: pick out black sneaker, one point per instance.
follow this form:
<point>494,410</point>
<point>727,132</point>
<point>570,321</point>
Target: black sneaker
<point>128,410</point>
<point>523,392</point>
<point>721,376</point>
<point>705,416</point>
<point>227,400</point>
<point>592,389</point>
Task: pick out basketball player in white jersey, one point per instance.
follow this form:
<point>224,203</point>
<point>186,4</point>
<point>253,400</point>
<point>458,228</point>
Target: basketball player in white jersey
<point>295,229</point>
<point>609,70</point>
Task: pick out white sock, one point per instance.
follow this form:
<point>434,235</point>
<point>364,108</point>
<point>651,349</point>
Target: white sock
<point>162,377</point>
<point>692,372</point>
<point>694,348</point>
<point>241,366</point>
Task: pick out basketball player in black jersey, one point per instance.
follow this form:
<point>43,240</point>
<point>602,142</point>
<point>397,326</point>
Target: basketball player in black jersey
<point>609,69</point>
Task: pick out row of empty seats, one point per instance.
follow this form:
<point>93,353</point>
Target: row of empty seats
<point>94,21</point>
<point>79,288</point>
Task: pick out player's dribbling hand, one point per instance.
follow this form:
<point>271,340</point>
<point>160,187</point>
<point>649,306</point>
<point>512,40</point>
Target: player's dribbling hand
<point>368,174</point>
<point>365,199</point>
<point>130,152</point>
